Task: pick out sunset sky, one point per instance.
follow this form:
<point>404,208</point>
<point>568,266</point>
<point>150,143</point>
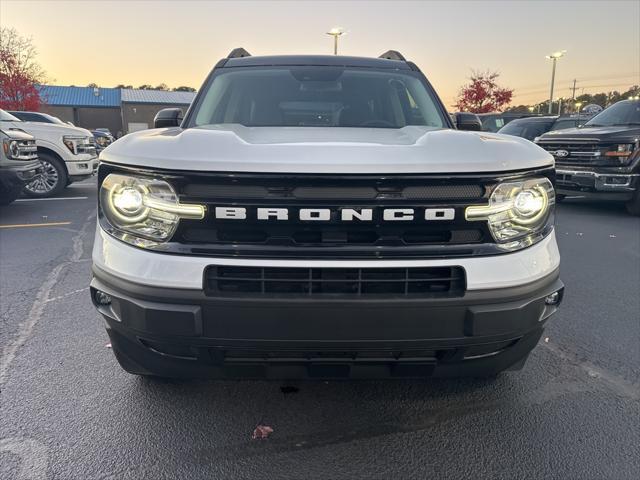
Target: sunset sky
<point>178,42</point>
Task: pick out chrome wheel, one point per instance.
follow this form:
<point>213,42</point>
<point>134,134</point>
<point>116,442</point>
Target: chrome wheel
<point>46,181</point>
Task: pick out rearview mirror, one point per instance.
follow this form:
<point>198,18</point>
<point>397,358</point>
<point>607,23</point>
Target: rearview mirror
<point>468,121</point>
<point>168,117</point>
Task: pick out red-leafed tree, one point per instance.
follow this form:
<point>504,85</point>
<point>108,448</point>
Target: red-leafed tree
<point>483,94</point>
<point>19,72</point>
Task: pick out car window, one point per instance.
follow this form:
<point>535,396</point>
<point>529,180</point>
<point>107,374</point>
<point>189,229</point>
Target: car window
<point>526,128</point>
<point>7,117</point>
<point>621,113</point>
<point>33,117</point>
<point>567,123</point>
<point>317,96</point>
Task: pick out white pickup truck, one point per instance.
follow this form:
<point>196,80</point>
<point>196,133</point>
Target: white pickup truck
<point>67,154</point>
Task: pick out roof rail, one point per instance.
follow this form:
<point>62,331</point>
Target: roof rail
<point>238,53</point>
<point>393,55</point>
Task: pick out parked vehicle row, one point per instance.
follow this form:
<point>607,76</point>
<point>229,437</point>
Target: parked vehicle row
<point>67,154</point>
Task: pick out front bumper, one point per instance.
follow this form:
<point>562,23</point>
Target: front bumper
<point>170,331</point>
<point>604,185</point>
<point>79,169</point>
<point>16,175</point>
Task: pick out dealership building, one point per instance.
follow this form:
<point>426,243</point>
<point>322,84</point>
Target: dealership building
<point>119,110</point>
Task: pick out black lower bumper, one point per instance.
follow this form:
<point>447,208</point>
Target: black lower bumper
<point>178,333</point>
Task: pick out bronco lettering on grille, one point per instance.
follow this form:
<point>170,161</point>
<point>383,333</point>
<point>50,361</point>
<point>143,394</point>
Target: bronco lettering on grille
<point>345,214</point>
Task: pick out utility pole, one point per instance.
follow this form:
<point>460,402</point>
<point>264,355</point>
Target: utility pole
<point>554,57</point>
<point>573,90</point>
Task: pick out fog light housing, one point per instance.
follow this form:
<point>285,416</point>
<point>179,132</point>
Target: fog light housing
<point>102,298</point>
<point>552,299</point>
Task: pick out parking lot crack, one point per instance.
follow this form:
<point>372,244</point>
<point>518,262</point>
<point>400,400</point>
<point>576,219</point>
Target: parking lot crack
<point>26,327</point>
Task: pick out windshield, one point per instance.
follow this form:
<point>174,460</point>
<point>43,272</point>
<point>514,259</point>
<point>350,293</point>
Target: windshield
<point>317,96</point>
<point>526,128</point>
<point>7,117</point>
<point>622,113</point>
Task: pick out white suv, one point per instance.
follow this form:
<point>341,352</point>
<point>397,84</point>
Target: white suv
<point>67,154</point>
<point>321,216</point>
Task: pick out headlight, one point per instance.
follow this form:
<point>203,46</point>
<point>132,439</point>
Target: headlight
<point>621,152</point>
<point>78,144</point>
<point>518,213</point>
<point>11,148</point>
<point>143,211</point>
<point>14,150</point>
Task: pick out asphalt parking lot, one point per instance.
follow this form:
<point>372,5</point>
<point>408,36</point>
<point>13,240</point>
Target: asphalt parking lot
<point>69,412</point>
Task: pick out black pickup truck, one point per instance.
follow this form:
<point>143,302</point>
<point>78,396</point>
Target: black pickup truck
<point>601,159</point>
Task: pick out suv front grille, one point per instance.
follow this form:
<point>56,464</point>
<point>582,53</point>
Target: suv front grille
<point>427,282</point>
<point>293,238</point>
<point>435,227</point>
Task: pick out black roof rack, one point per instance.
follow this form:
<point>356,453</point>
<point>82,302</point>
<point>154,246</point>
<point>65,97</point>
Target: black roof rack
<point>238,53</point>
<point>393,55</point>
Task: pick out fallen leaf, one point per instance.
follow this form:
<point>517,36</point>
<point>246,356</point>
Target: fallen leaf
<point>108,345</point>
<point>261,432</point>
<point>546,340</point>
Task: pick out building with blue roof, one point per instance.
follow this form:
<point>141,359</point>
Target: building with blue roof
<point>120,110</point>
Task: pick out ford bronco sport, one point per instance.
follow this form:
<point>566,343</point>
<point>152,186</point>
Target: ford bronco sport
<point>321,217</point>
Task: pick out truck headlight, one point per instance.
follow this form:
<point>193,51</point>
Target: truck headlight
<point>143,211</point>
<point>622,152</point>
<point>11,148</point>
<point>79,144</point>
<point>518,212</point>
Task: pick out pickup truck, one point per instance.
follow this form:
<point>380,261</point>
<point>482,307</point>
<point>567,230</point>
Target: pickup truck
<point>601,159</point>
<point>67,154</point>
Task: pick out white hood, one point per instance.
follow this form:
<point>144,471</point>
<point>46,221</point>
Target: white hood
<point>46,130</point>
<point>412,149</point>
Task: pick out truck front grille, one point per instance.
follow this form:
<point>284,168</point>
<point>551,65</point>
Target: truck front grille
<point>427,282</point>
<point>578,153</point>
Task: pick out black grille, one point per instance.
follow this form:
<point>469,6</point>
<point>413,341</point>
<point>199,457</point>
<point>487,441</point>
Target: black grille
<point>579,153</point>
<point>424,235</point>
<point>293,238</point>
<point>223,281</point>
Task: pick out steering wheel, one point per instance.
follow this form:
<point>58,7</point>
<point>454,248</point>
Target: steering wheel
<point>377,123</point>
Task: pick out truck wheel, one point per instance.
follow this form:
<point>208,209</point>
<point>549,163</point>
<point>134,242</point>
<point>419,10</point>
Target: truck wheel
<point>52,179</point>
<point>6,197</point>
<point>633,205</point>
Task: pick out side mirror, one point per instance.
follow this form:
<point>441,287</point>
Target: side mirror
<point>168,117</point>
<point>468,121</point>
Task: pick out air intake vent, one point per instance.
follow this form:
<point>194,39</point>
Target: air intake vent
<point>428,282</point>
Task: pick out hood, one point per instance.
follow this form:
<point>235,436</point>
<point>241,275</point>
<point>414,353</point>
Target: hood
<point>412,149</point>
<point>15,134</point>
<point>50,128</point>
<point>622,132</point>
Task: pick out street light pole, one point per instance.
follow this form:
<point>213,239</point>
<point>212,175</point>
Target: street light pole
<point>554,56</point>
<point>335,32</point>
